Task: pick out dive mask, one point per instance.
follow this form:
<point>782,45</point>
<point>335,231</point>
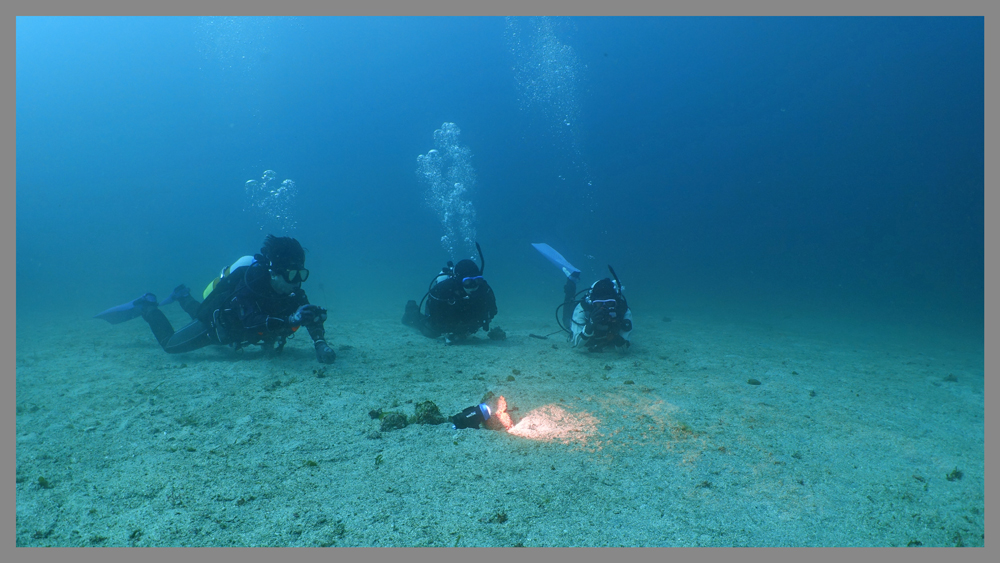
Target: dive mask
<point>472,283</point>
<point>292,276</point>
<point>606,305</point>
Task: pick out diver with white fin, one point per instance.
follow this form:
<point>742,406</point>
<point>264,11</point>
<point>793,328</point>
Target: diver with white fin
<point>256,300</point>
<point>597,316</point>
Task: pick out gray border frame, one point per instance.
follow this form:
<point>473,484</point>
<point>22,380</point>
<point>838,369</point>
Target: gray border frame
<point>481,7</point>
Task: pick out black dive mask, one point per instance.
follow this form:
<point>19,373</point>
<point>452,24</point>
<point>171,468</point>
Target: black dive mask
<point>291,275</point>
<point>472,283</point>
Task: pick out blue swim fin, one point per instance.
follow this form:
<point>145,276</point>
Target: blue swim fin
<point>179,291</point>
<point>571,271</point>
<point>127,311</point>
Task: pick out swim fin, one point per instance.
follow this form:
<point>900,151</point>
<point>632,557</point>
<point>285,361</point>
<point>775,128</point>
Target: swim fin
<point>179,291</point>
<point>547,251</point>
<point>127,311</point>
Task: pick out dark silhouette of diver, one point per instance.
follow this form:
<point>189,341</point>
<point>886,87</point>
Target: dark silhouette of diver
<point>257,300</point>
<point>459,302</point>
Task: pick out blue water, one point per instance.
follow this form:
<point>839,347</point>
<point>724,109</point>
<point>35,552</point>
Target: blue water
<point>821,165</point>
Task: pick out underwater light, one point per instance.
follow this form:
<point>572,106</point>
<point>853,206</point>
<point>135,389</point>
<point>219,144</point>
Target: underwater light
<point>471,417</point>
<point>547,423</point>
<point>502,420</point>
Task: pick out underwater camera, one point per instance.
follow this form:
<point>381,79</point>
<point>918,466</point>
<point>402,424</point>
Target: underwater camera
<point>471,417</point>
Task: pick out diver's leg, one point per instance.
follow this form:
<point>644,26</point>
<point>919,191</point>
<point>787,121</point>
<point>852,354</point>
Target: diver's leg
<point>193,336</point>
<point>427,323</point>
<point>411,315</point>
<point>182,295</point>
<point>189,304</point>
<point>162,329</point>
<point>427,329</point>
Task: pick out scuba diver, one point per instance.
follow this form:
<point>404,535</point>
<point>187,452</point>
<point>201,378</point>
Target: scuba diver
<point>459,302</point>
<point>257,300</point>
<point>601,317</point>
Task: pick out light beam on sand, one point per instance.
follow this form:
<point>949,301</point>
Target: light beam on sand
<point>548,423</point>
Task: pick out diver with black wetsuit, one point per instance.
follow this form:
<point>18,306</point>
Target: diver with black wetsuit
<point>459,303</point>
<point>260,301</point>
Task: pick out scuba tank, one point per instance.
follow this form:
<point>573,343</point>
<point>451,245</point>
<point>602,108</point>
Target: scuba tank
<point>244,261</point>
<point>448,271</point>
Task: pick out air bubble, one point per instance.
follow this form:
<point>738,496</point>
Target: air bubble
<point>546,70</point>
<point>448,173</point>
<point>272,204</point>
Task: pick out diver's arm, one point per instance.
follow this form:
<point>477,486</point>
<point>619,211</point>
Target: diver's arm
<point>491,303</point>
<point>316,331</point>
<point>490,308</point>
<point>624,330</point>
<point>626,327</point>
<point>579,324</point>
<point>265,325</point>
<point>314,325</point>
<point>324,353</point>
<point>257,322</point>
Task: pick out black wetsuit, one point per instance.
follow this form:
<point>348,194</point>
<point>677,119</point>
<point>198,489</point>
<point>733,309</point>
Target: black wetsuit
<point>243,309</point>
<point>450,310</point>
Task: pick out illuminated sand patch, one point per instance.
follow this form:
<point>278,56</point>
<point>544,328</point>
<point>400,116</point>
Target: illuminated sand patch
<point>502,416</point>
<point>554,423</point>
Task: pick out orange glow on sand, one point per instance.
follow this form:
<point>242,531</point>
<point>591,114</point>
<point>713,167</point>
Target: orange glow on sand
<point>552,422</point>
<point>502,416</point>
<point>548,423</point>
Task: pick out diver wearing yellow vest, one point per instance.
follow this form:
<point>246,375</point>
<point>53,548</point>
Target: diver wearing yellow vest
<point>256,300</point>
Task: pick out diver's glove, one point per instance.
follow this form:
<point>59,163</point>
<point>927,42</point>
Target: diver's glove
<point>307,314</point>
<point>324,354</point>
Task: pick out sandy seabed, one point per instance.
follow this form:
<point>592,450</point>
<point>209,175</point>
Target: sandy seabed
<point>853,437</point>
